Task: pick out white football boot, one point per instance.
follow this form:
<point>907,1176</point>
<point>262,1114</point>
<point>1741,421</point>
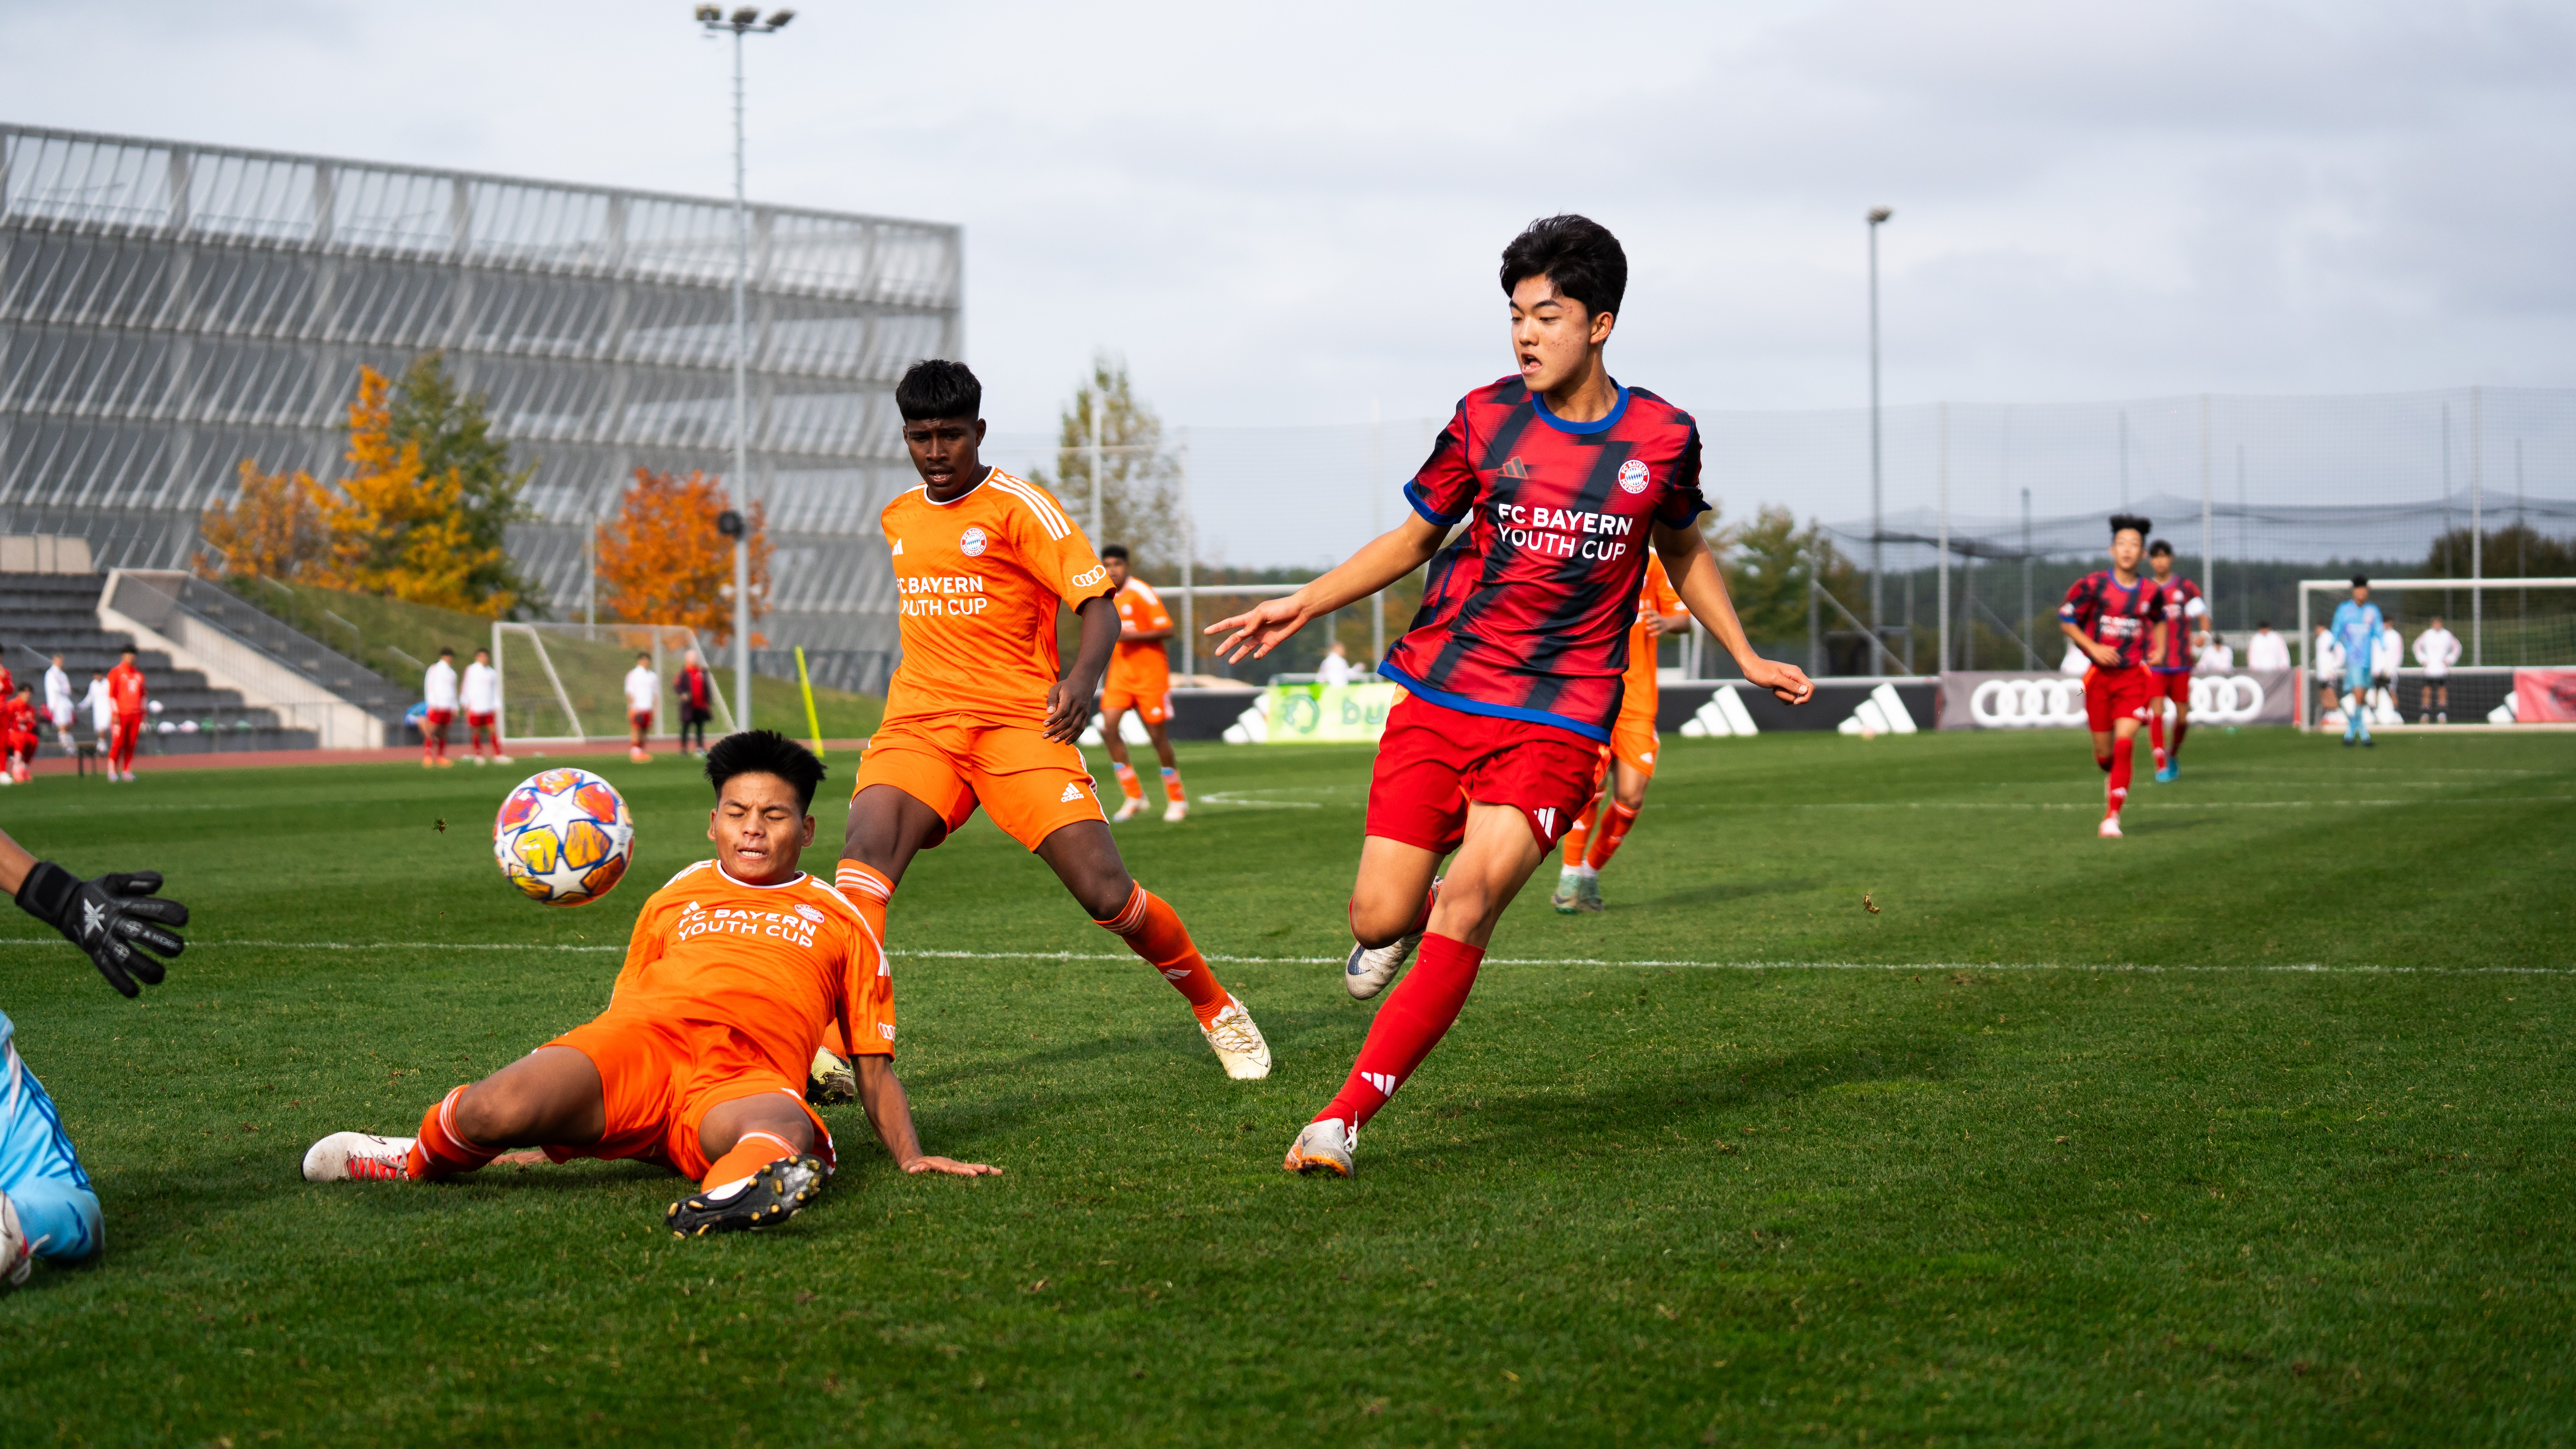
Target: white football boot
<point>17,1257</point>
<point>1237,1043</point>
<point>1176,812</point>
<point>1324,1146</point>
<point>1135,805</point>
<point>357,1157</point>
<point>2110,827</point>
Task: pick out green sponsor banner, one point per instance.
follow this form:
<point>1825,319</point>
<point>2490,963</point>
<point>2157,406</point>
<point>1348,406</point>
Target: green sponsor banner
<point>1330,713</point>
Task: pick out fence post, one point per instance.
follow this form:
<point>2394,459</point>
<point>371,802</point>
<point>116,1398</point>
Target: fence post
<point>2477,528</point>
<point>1941,659</point>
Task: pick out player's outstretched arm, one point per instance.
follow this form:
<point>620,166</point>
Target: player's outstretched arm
<point>105,917</point>
<point>1069,699</point>
<point>1702,585</point>
<point>890,1113</point>
<point>1384,559</point>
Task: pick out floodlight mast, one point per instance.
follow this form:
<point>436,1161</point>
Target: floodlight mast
<point>744,21</point>
<point>1878,216</point>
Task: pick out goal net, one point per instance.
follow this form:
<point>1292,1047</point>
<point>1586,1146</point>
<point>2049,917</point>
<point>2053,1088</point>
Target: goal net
<point>566,683</point>
<point>2514,639</point>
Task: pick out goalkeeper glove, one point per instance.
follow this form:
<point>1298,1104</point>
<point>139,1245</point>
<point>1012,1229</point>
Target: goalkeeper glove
<point>101,916</point>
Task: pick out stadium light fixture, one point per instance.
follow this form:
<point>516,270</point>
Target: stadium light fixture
<point>1878,216</point>
<point>744,21</point>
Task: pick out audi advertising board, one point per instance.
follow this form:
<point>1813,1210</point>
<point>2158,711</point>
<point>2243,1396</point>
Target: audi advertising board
<point>2005,701</point>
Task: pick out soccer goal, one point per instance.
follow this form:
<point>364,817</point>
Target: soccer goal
<point>566,683</point>
<point>2516,664</point>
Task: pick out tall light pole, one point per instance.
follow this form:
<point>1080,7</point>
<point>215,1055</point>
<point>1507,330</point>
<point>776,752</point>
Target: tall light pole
<point>737,523</point>
<point>1878,216</point>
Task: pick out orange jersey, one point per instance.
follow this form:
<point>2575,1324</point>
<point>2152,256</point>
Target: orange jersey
<point>1140,669</point>
<point>978,578</point>
<point>1656,598</point>
<point>776,964</point>
<point>125,686</point>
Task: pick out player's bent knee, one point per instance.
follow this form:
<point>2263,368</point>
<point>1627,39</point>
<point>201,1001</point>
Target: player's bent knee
<point>61,1220</point>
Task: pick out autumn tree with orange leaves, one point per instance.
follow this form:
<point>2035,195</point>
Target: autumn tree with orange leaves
<point>276,529</point>
<point>663,562</point>
<point>397,529</point>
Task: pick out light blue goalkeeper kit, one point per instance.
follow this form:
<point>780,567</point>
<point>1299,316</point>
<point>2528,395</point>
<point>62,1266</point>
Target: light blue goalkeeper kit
<point>2357,628</point>
<point>39,1172</point>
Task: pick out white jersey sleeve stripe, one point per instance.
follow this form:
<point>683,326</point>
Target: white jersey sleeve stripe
<point>1057,526</point>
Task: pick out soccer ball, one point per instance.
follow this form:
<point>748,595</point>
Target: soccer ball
<point>563,837</point>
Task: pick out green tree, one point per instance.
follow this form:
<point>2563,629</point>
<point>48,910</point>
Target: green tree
<point>1140,484</point>
<point>1769,563</point>
<point>453,430</point>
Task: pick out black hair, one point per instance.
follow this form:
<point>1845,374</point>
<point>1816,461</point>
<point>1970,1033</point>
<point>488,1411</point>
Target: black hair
<point>2359,582</point>
<point>1117,551</point>
<point>446,652</point>
<point>1577,253</point>
<point>765,752</point>
<point>938,388</point>
<point>2160,547</point>
<point>643,656</point>
<point>2121,521</point>
<point>2263,624</point>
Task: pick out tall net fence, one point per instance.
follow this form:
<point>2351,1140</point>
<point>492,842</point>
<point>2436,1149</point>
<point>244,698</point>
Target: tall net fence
<point>1984,513</point>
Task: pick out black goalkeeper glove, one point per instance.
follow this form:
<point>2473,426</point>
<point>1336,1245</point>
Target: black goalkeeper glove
<point>100,916</point>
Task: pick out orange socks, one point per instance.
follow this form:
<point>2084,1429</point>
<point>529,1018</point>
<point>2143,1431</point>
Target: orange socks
<point>751,1152</point>
<point>1154,931</point>
<point>440,1150</point>
<point>1614,828</point>
<point>1132,787</point>
<point>1579,834</point>
<point>1172,785</point>
<point>866,888</point>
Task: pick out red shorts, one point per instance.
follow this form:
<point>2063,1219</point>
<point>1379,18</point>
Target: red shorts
<point>2116,694</point>
<point>641,719</point>
<point>436,722</point>
<point>1434,761</point>
<point>23,744</point>
<point>2173,684</point>
<point>475,721</point>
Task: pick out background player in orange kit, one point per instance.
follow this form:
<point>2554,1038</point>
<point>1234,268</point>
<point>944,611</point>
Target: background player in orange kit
<point>975,714</point>
<point>1140,678</point>
<point>1628,761</point>
<point>126,692</point>
<point>731,975</point>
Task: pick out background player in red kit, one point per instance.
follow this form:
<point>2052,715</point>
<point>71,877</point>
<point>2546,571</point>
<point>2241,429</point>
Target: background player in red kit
<point>1513,667</point>
<point>125,690</point>
<point>2116,617</point>
<point>2184,613</point>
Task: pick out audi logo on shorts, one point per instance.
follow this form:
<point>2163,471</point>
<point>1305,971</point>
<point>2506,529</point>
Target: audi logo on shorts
<point>2009,704</point>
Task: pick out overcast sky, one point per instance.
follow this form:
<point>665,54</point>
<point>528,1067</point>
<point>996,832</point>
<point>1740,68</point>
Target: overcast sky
<point>1289,215</point>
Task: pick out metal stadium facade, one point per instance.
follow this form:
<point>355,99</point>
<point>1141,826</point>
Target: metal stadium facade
<point>168,309</point>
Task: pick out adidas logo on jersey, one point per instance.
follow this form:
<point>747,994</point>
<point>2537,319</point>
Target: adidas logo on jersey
<point>1071,793</point>
<point>898,548</point>
<point>1383,1081</point>
<point>1515,468</point>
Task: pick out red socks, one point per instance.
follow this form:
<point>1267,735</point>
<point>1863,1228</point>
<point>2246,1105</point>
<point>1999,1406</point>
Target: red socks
<point>2118,791</point>
<point>1614,828</point>
<point>1154,931</point>
<point>2156,735</point>
<point>1418,1012</point>
<point>440,1150</point>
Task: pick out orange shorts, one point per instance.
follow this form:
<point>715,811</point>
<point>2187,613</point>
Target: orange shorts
<point>1031,785</point>
<point>1633,740</point>
<point>660,1078</point>
<point>1155,708</point>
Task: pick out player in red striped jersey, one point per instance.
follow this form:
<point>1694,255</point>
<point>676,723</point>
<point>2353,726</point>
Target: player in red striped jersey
<point>1513,667</point>
<point>2184,613</point>
<point>2116,616</point>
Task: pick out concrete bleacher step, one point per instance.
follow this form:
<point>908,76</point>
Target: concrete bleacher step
<point>45,614</point>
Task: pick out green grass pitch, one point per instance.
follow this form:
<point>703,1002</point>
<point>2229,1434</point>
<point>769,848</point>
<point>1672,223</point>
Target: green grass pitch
<point>2253,1127</point>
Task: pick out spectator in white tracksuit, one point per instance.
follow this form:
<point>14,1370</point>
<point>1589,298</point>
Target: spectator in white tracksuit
<point>438,693</point>
<point>2437,649</point>
<point>2387,656</point>
<point>2328,662</point>
<point>58,702</point>
<point>102,706</point>
<point>2267,652</point>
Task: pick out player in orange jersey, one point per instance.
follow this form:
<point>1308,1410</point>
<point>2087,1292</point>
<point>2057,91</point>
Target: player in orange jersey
<point>1140,678</point>
<point>976,715</point>
<point>125,689</point>
<point>733,972</point>
<point>1628,761</point>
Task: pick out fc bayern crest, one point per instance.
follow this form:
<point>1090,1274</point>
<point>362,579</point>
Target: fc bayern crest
<point>971,542</point>
<point>1632,476</point>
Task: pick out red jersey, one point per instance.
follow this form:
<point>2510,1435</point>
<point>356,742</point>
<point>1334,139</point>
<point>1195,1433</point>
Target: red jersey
<point>17,716</point>
<point>125,687</point>
<point>8,683</point>
<point>2110,612</point>
<point>1526,615</point>
<point>2180,606</point>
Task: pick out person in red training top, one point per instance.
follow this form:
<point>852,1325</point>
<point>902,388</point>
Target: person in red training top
<point>132,702</point>
<point>2185,613</point>
<point>732,973</point>
<point>18,733</point>
<point>2117,618</point>
<point>1514,667</point>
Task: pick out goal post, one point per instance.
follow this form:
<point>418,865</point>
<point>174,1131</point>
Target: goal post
<point>2515,634</point>
<point>566,683</point>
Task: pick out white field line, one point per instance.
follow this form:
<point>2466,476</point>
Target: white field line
<point>2158,804</point>
<point>1649,964</point>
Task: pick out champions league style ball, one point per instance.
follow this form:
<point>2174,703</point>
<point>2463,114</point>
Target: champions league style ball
<point>563,837</point>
